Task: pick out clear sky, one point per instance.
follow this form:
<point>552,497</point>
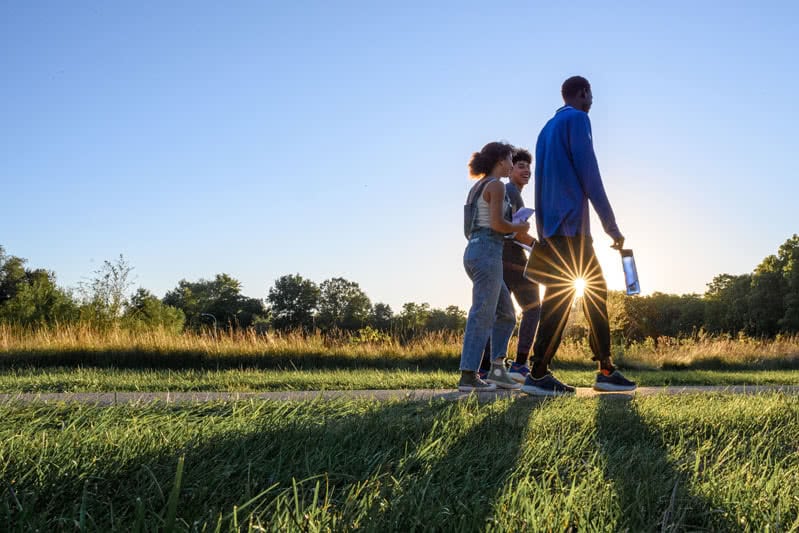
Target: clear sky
<point>331,138</point>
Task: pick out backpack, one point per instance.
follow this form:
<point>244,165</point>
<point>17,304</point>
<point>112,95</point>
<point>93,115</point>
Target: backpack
<point>470,208</point>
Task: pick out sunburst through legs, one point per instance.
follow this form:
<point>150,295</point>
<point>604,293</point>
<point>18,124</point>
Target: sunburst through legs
<point>579,287</point>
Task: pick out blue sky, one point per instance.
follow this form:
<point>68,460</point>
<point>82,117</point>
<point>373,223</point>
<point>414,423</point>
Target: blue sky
<point>331,138</point>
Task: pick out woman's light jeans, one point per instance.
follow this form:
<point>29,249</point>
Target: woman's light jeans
<point>492,314</point>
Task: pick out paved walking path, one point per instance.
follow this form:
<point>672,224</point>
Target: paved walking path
<point>111,398</point>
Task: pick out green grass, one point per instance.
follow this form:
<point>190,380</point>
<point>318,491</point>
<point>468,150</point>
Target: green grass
<point>710,462</point>
<point>698,462</point>
<point>253,380</point>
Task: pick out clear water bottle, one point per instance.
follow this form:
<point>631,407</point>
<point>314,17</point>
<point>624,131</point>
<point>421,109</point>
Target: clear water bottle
<point>630,272</point>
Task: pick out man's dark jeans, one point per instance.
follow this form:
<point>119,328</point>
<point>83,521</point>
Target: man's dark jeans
<point>571,258</point>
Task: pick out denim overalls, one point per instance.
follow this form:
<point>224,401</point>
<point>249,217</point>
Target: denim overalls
<point>492,313</point>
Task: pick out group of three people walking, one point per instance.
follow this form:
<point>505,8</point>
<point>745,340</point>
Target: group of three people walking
<point>567,178</point>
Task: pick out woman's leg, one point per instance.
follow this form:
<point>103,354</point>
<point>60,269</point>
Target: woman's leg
<point>503,325</point>
<point>483,263</point>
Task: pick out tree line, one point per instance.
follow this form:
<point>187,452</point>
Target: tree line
<point>763,303</point>
<point>32,298</point>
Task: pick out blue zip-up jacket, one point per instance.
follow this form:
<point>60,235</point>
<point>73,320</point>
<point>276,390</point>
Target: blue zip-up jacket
<point>567,177</point>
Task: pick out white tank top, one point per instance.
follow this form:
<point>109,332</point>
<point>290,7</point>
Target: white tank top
<point>483,218</point>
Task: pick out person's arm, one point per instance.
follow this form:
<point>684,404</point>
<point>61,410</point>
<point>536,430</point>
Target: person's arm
<point>585,163</point>
<point>494,194</point>
<point>538,174</point>
<point>517,202</point>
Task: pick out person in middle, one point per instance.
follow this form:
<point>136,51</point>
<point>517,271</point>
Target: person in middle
<point>514,261</point>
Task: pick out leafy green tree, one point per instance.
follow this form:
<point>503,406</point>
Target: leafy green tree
<point>293,301</point>
<point>414,316</point>
<point>762,303</point>
<point>676,316</point>
<point>789,256</point>
<point>146,312</point>
<point>343,305</point>
<point>12,275</point>
<point>727,303</point>
<point>654,316</point>
<point>767,298</point>
<point>220,297</point>
<point>412,320</point>
<point>456,318</point>
<point>39,302</point>
<point>692,314</point>
<point>31,297</point>
<point>450,319</point>
<point>381,317</point>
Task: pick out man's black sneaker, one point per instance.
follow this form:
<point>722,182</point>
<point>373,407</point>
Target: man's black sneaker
<point>615,382</point>
<point>545,386</point>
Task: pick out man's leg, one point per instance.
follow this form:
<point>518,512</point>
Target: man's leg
<point>485,363</point>
<point>527,328</point>
<point>526,294</point>
<point>554,314</point>
<point>595,306</point>
<point>558,298</point>
<point>531,314</point>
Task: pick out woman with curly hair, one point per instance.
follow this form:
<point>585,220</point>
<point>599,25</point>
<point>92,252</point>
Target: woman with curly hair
<point>492,314</point>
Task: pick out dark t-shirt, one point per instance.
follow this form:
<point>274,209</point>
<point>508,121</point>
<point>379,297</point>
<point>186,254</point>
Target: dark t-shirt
<point>513,253</point>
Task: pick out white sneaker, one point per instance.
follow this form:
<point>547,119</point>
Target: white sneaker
<point>499,376</point>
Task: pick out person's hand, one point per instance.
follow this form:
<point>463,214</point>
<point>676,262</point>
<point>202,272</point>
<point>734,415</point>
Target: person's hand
<point>524,227</point>
<point>618,243</point>
<point>525,238</point>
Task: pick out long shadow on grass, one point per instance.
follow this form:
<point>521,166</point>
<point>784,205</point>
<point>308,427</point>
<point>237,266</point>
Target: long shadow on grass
<point>195,359</point>
<point>337,446</point>
<point>450,482</point>
<point>652,494</point>
<point>137,358</point>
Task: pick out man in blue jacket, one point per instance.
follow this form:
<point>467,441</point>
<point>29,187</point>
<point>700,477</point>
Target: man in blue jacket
<point>566,179</point>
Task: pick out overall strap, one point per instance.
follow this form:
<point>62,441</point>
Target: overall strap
<point>477,190</point>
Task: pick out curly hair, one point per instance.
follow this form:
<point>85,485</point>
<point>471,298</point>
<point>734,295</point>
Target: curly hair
<point>520,154</point>
<point>484,161</point>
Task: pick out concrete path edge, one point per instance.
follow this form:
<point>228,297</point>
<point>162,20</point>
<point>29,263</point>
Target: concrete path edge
<point>113,398</point>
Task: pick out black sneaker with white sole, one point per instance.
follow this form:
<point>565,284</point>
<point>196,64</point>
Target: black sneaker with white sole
<point>546,386</point>
<point>615,382</point>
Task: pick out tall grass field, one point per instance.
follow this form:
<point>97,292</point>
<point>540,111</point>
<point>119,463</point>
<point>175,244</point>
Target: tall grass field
<point>712,462</point>
<point>72,359</point>
<point>81,345</point>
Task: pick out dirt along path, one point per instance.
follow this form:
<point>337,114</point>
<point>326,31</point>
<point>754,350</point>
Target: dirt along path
<point>112,398</point>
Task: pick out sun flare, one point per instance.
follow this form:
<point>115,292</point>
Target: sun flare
<point>579,287</point>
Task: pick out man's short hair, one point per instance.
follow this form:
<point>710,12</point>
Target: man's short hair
<point>573,86</point>
<point>520,154</point>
